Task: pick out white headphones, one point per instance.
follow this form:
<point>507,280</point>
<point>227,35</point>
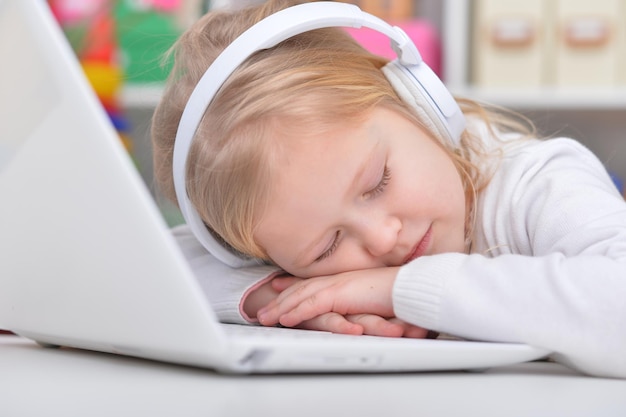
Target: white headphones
<point>412,79</point>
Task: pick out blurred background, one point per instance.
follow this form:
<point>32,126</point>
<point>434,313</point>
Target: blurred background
<point>560,62</point>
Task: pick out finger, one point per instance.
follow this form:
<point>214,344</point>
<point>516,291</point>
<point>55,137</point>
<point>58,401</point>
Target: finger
<point>296,304</point>
<point>415,332</point>
<point>374,325</point>
<point>271,312</point>
<point>312,306</point>
<point>332,322</point>
<point>280,284</point>
<point>268,315</point>
<point>410,330</point>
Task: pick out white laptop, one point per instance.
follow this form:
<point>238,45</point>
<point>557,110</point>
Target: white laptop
<point>87,261</point>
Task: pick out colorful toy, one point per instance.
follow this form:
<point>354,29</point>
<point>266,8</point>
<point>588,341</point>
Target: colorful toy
<point>90,27</point>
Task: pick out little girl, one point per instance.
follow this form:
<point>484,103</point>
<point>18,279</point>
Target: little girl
<point>353,211</point>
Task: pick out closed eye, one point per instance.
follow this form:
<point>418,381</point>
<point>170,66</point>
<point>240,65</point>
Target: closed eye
<point>374,192</point>
<point>328,252</point>
<point>382,184</point>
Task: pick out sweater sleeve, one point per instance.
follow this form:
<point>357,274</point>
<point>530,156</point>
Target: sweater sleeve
<point>551,264</point>
<point>224,287</point>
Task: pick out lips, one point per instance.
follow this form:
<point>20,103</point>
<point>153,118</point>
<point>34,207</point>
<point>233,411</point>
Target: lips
<point>420,248</point>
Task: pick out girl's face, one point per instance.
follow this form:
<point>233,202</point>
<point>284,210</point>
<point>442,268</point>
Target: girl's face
<point>379,194</point>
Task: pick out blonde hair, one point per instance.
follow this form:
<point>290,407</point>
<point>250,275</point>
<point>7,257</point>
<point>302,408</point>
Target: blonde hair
<point>306,85</point>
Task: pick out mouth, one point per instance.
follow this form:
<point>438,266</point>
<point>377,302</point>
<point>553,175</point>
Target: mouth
<point>420,248</point>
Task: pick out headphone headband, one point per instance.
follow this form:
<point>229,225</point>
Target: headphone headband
<point>265,34</point>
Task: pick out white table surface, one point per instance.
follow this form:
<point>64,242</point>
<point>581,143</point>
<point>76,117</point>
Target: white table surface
<point>36,381</point>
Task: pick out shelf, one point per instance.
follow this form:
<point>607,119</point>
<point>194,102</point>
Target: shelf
<point>455,28</point>
<point>141,96</point>
<point>148,96</point>
<point>456,46</point>
<point>549,98</point>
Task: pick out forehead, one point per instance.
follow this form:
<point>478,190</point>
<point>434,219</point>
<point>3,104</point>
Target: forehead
<point>316,164</point>
<point>308,143</point>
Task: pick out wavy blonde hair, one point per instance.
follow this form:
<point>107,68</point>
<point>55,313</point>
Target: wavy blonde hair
<point>306,85</point>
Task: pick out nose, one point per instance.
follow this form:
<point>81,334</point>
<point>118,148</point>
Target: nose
<point>380,234</point>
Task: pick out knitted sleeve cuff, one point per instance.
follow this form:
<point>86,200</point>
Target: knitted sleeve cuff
<point>419,288</point>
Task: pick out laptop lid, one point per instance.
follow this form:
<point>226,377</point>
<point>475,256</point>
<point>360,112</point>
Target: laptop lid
<point>87,259</point>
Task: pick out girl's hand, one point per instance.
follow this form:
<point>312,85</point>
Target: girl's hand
<point>356,302</point>
<point>356,324</point>
<point>364,324</point>
<point>354,292</point>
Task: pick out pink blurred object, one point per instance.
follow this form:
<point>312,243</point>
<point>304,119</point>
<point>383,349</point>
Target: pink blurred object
<point>168,6</point>
<point>71,12</point>
<point>422,32</point>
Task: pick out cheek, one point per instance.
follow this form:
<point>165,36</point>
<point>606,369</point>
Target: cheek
<point>452,195</point>
<point>432,187</point>
<point>428,183</point>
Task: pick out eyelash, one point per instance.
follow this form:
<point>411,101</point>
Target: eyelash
<point>380,187</point>
<point>330,250</point>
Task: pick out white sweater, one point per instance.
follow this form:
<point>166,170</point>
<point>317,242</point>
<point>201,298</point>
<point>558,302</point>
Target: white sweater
<point>548,263</point>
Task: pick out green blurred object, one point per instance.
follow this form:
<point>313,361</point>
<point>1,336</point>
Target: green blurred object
<point>144,35</point>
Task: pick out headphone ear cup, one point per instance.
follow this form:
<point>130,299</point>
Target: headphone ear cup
<point>414,95</point>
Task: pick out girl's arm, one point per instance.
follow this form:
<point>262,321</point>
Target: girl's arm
<point>237,294</point>
<point>549,267</point>
<point>226,288</point>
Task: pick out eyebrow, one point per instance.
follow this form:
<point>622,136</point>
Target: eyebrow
<point>303,259</point>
